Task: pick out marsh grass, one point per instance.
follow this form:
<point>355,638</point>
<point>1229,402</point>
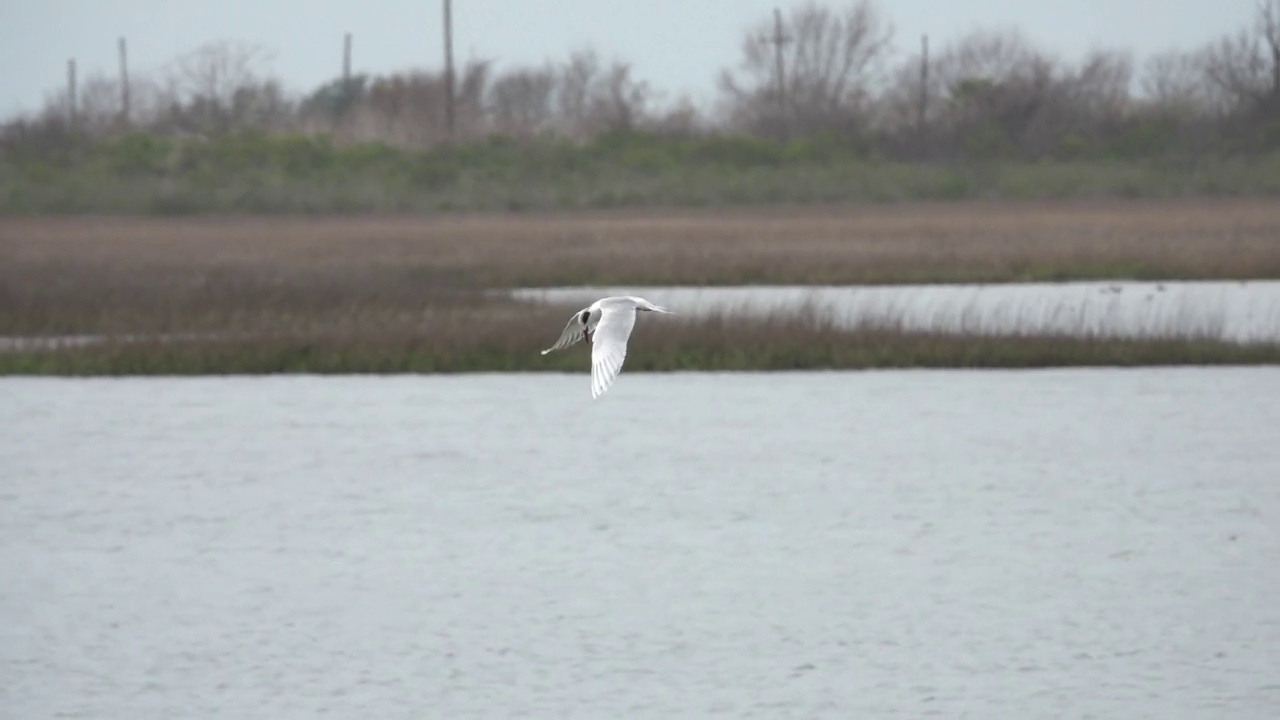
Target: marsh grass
<point>412,294</point>
<point>507,336</point>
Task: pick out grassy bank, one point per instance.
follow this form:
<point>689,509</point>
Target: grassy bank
<point>509,339</point>
<point>97,274</point>
<point>261,173</point>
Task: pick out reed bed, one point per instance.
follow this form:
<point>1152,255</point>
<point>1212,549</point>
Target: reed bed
<point>507,336</point>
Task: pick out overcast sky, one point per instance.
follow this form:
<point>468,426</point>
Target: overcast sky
<point>678,46</point>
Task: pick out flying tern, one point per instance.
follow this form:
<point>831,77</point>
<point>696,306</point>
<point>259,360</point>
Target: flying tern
<point>606,324</point>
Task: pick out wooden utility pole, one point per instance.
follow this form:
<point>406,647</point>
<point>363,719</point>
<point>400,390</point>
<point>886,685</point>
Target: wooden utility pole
<point>346,63</point>
<point>71,92</point>
<point>923,108</point>
<point>779,39</point>
<point>124,84</point>
<point>448,68</point>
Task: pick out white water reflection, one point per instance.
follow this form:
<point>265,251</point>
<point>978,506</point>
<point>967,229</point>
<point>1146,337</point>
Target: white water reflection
<point>1229,310</point>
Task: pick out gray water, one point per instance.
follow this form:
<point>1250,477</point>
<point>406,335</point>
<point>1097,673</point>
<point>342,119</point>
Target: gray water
<point>1226,310</point>
<point>1076,543</point>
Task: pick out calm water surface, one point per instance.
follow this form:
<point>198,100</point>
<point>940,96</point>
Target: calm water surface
<point>879,544</point>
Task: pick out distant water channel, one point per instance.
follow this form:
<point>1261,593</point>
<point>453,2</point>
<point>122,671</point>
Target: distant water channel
<point>1236,311</point>
<point>1246,312</point>
<point>1063,543</point>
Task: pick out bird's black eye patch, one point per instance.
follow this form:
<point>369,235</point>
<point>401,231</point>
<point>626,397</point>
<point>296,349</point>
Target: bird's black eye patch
<point>585,314</point>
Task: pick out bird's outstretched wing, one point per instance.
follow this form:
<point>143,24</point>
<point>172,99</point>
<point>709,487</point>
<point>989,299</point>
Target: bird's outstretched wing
<point>573,333</point>
<point>609,346</point>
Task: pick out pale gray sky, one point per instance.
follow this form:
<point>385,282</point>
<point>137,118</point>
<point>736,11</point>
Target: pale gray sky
<point>678,46</point>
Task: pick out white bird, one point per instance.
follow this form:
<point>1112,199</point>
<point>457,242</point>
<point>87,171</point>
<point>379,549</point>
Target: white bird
<point>606,324</point>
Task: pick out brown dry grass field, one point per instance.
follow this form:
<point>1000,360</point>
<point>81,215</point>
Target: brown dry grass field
<point>364,293</point>
<point>911,242</point>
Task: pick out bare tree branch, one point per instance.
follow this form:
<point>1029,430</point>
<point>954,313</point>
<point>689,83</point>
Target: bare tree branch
<point>829,60</point>
<point>520,101</point>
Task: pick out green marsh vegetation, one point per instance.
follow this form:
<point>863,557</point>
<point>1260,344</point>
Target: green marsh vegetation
<point>260,173</point>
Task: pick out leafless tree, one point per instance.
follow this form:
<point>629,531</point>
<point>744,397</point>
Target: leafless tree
<point>819,79</point>
<point>993,92</point>
<point>216,70</point>
<point>618,101</point>
<point>1178,81</point>
<point>407,109</point>
<point>987,83</point>
<point>520,101</point>
<point>988,88</point>
<point>1080,105</point>
<point>1246,65</point>
<point>220,85</point>
<point>808,70</point>
<point>1098,88</point>
<point>591,98</point>
<point>98,105</point>
<point>1178,104</point>
<point>262,104</point>
<point>469,99</point>
<point>574,93</point>
<point>896,112</point>
<point>681,119</point>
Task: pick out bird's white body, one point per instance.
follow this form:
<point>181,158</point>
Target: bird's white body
<point>606,324</point>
